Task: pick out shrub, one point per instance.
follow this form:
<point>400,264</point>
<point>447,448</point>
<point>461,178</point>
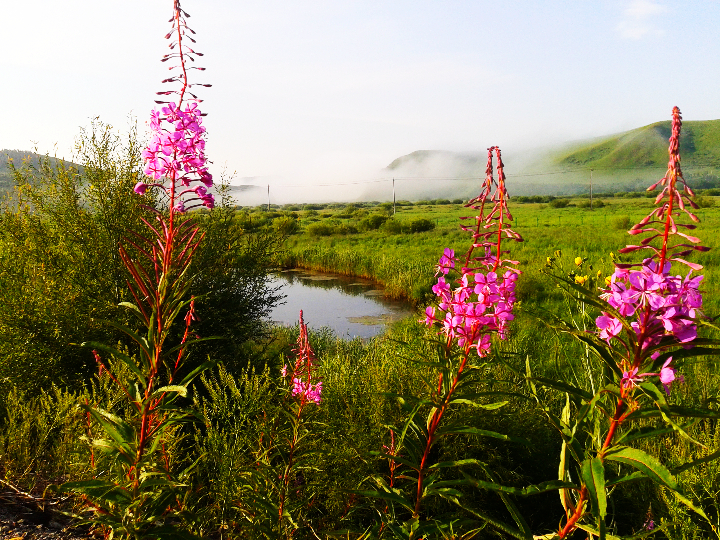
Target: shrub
<point>392,226</point>
<point>621,222</point>
<point>421,225</point>
<point>705,202</point>
<point>372,223</point>
<point>320,229</point>
<point>559,203</point>
<point>286,225</point>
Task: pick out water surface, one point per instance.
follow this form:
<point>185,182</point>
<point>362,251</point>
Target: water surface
<point>351,307</point>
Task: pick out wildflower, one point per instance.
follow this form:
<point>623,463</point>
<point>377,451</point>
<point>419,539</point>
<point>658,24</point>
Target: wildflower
<point>580,280</point>
<point>609,326</point>
<point>140,188</point>
<point>483,301</point>
<point>304,370</point>
<point>578,261</point>
<point>630,378</point>
<point>668,375</point>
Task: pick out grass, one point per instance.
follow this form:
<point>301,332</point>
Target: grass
<point>39,434</point>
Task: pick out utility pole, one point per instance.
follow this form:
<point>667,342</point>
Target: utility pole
<point>591,202</point>
<point>393,196</point>
<point>268,197</point>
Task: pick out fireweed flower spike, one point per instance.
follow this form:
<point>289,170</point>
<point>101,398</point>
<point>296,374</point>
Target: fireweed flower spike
<point>482,302</point>
<point>650,313</point>
<point>474,304</point>
<point>158,265</point>
<point>306,388</point>
<point>175,156</point>
<point>658,304</point>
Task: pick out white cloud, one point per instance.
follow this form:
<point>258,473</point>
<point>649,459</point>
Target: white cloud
<point>637,21</point>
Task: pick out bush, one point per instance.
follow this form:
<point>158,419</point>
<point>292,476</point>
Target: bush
<point>621,222</point>
<point>585,203</point>
<point>286,225</point>
<point>421,225</point>
<point>705,202</point>
<point>320,229</point>
<point>372,223</point>
<point>559,203</point>
<point>392,226</point>
<point>61,273</point>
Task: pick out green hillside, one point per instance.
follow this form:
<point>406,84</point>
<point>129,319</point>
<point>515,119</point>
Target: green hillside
<point>18,158</point>
<point>647,147</point>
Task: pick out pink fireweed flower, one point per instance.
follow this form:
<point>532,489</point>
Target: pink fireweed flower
<point>662,304</point>
<point>446,262</point>
<point>609,326</point>
<point>479,302</point>
<point>630,378</point>
<point>175,155</point>
<point>305,384</point>
<point>668,375</point>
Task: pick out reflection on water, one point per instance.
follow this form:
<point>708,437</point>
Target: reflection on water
<point>351,307</point>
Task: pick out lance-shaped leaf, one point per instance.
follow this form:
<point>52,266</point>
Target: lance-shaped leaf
<point>644,462</point>
<point>592,472</point>
<point>100,490</point>
<point>468,430</point>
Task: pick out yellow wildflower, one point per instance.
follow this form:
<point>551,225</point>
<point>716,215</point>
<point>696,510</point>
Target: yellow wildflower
<point>580,280</point>
<point>578,261</point>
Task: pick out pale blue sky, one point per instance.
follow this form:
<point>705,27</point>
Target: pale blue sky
<point>335,90</point>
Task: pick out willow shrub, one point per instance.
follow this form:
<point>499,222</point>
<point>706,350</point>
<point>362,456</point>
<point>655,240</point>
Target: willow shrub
<point>61,273</point>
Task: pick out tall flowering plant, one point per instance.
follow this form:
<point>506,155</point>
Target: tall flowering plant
<point>142,496</point>
<point>280,480</point>
<point>475,300</point>
<point>647,324</point>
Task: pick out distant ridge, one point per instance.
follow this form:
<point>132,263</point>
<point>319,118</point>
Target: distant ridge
<point>627,161</point>
<point>18,157</point>
<point>647,147</point>
<point>469,160</point>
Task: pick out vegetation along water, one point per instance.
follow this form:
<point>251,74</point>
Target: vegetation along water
<point>559,378</point>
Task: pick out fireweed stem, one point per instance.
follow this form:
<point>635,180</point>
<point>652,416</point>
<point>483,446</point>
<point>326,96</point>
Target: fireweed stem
<point>432,428</point>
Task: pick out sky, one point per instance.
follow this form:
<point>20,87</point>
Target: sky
<point>327,92</point>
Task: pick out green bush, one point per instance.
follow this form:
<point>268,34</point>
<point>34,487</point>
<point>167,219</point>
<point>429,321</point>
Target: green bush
<point>421,225</point>
<point>559,203</point>
<point>705,202</point>
<point>372,223</point>
<point>320,229</point>
<point>61,274</point>
<point>286,225</point>
<point>392,226</point>
<point>621,222</point>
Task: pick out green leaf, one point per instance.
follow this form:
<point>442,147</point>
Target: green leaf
<point>695,463</point>
<point>535,489</point>
<point>565,388</point>
<point>394,497</point>
<point>486,406</point>
<point>456,463</point>
<point>197,371</point>
<point>100,490</point>
<point>646,463</point>
<point>593,475</point>
<point>124,358</point>
<point>467,430</point>
<point>181,390</point>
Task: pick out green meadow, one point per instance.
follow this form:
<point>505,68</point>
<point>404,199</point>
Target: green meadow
<point>60,280</point>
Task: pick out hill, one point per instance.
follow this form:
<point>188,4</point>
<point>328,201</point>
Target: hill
<point>18,157</point>
<point>628,161</point>
<point>647,147</point>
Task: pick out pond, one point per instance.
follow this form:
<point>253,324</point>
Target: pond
<point>351,307</point>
